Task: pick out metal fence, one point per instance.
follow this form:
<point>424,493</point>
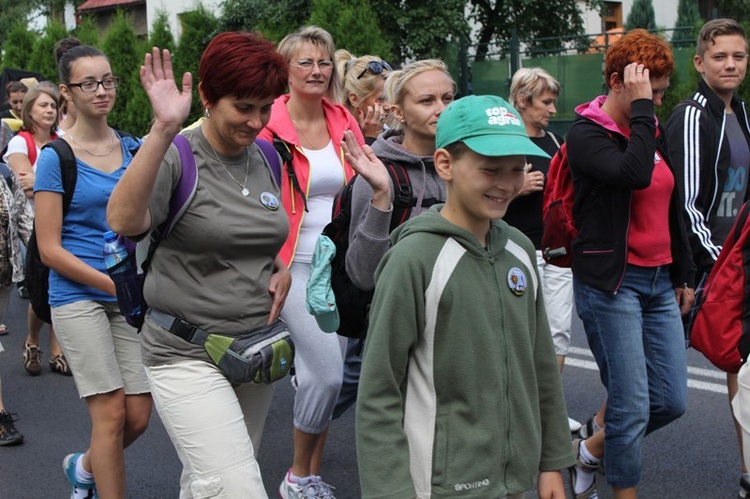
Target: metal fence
<point>577,62</point>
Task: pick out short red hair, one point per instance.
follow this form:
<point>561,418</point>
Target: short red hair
<point>642,47</point>
<point>243,65</point>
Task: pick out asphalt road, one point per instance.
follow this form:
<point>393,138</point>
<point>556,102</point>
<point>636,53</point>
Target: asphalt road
<point>694,458</point>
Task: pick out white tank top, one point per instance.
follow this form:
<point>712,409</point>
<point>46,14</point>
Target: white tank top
<point>326,180</point>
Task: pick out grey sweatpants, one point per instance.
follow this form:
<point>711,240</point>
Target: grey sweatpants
<point>318,360</point>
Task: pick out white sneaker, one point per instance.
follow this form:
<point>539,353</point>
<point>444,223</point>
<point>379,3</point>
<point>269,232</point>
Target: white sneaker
<point>574,425</point>
<point>311,487</point>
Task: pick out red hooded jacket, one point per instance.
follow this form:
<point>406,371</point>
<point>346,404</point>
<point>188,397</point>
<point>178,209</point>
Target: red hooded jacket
<point>339,119</point>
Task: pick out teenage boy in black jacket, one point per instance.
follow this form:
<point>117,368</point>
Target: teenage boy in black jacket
<point>708,136</point>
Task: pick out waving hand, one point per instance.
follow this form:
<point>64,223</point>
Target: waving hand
<point>171,107</point>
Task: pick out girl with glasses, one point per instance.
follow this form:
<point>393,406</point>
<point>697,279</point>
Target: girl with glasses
<point>308,125</point>
<point>102,349</point>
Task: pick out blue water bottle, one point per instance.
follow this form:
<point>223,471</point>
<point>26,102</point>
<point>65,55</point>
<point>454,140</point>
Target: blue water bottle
<point>121,267</point>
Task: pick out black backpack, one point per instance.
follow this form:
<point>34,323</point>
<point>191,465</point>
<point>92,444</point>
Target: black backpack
<point>37,274</point>
<point>353,303</point>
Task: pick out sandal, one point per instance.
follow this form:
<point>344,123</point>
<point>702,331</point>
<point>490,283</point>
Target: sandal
<point>589,493</point>
<point>3,329</point>
<point>59,364</point>
<point>32,359</point>
<point>587,430</point>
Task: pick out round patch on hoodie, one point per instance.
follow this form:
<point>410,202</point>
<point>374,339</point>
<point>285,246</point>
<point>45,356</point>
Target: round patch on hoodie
<point>517,281</point>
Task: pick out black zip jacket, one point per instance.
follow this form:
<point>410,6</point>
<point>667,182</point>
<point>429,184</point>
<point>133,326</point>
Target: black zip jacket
<point>606,168</point>
<point>700,152</point>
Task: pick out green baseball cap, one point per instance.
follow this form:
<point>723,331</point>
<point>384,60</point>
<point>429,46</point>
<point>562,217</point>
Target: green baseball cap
<point>488,125</point>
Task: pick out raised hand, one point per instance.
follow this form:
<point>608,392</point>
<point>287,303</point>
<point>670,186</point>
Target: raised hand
<point>171,107</point>
<point>533,182</point>
<point>371,122</point>
<point>365,163</point>
<point>637,82</point>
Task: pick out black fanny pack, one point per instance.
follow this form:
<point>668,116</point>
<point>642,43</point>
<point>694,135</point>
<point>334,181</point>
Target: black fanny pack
<point>263,355</point>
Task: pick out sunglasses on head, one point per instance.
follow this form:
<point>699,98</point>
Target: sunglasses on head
<point>375,67</point>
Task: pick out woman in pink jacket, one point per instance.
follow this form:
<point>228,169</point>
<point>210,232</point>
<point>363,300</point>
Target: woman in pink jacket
<point>310,126</point>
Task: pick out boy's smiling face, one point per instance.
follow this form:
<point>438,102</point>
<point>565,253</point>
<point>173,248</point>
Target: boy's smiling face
<point>480,188</point>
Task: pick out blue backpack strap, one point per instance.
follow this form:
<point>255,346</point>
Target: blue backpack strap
<point>186,186</point>
<point>269,151</point>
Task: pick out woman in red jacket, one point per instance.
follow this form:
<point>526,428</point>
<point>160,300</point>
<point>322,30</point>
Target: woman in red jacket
<point>310,125</point>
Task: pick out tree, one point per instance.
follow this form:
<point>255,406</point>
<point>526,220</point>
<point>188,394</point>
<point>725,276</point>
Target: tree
<point>531,20</point>
<point>18,44</point>
<point>351,25</point>
<point>687,15</point>
<point>734,9</point>
<point>42,59</point>
<point>198,27</point>
<point>120,47</point>
<point>418,29</point>
<point>273,19</point>
<point>161,35</point>
<point>87,32</point>
<point>13,13</point>
<point>641,15</point>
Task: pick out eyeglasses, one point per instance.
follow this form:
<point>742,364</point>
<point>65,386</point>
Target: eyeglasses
<point>308,65</point>
<point>88,87</point>
<point>375,67</point>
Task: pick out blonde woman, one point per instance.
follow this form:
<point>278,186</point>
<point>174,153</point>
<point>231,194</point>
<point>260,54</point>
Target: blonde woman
<point>417,94</point>
<point>364,82</point>
<point>309,124</point>
<point>534,92</point>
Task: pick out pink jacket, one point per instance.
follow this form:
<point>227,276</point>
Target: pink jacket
<point>339,119</point>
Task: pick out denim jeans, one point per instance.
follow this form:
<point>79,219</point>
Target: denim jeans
<point>350,384</point>
<point>637,340</point>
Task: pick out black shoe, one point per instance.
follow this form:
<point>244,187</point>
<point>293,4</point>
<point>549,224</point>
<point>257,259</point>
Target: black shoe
<point>8,433</point>
<point>23,291</point>
<point>744,488</point>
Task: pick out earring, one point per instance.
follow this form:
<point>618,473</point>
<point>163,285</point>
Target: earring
<point>207,113</point>
<point>402,120</point>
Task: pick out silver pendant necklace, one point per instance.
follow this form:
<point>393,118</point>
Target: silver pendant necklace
<point>245,191</point>
<point>111,147</point>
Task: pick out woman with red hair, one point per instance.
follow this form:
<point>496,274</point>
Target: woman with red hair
<point>632,268</point>
<point>218,269</point>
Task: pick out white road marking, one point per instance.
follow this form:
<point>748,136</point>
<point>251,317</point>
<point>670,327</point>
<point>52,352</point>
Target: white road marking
<point>693,372</point>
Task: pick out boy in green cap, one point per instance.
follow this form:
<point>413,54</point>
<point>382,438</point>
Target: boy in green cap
<point>460,393</point>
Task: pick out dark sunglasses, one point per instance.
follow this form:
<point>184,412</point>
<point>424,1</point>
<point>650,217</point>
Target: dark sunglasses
<point>375,67</point>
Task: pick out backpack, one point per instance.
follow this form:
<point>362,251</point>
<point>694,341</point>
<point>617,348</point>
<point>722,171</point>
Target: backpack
<point>353,303</point>
<point>718,324</point>
<point>28,137</point>
<point>37,274</point>
<point>37,280</point>
<point>558,229</point>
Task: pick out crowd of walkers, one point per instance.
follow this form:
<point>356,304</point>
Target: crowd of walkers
<point>469,325</point>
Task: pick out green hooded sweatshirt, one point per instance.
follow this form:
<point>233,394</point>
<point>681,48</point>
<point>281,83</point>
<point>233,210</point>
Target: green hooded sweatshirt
<point>460,394</point>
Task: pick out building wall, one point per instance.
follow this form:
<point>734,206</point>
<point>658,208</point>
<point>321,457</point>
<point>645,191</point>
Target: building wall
<point>665,12</point>
<point>174,8</point>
